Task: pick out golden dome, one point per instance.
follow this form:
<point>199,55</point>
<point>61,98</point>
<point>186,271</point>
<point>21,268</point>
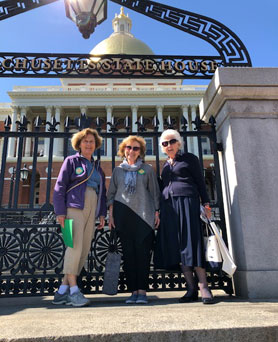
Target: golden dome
<point>121,41</point>
<point>121,44</point>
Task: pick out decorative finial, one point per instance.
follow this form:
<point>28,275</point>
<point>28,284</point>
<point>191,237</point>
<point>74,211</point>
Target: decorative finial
<point>122,10</point>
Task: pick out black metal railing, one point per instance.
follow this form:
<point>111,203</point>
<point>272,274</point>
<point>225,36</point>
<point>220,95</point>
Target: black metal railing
<point>31,246</point>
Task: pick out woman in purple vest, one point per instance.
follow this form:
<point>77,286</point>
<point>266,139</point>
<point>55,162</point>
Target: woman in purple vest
<point>79,194</point>
<point>180,236</point>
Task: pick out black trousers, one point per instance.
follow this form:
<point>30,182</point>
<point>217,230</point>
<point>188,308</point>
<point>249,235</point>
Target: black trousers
<point>137,241</point>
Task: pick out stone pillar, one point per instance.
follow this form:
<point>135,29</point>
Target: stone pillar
<point>194,140</point>
<point>159,110</point>
<point>11,148</point>
<point>244,102</point>
<point>46,140</point>
<point>109,110</point>
<point>58,143</point>
<point>134,110</point>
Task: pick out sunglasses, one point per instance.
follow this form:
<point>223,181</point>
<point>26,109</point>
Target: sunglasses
<point>134,148</point>
<point>171,142</point>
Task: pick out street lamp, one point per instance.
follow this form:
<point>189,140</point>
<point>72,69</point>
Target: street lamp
<point>87,14</point>
<point>24,173</point>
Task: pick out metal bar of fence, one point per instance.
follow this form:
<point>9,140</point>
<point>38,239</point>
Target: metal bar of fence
<point>33,176</point>
<point>3,167</point>
<point>14,134</point>
<point>18,167</point>
<point>29,273</point>
<point>156,148</point>
<point>49,171</point>
<point>200,151</point>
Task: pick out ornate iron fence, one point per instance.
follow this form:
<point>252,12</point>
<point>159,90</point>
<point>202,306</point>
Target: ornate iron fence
<point>31,246</point>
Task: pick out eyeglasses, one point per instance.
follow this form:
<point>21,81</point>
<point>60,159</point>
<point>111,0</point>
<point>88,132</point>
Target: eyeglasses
<point>134,148</point>
<point>171,142</point>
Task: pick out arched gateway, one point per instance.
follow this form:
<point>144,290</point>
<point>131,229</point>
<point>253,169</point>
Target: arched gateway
<point>121,87</point>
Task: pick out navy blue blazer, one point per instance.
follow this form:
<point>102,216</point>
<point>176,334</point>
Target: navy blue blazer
<point>184,178</point>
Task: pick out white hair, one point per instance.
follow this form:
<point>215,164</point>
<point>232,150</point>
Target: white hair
<point>171,132</point>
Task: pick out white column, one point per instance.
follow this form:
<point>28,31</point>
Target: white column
<point>134,118</point>
<point>159,110</point>
<point>58,143</point>
<point>83,109</point>
<point>185,114</point>
<point>11,147</point>
<point>195,140</point>
<point>28,141</point>
<point>23,112</point>
<point>108,140</point>
<point>46,140</point>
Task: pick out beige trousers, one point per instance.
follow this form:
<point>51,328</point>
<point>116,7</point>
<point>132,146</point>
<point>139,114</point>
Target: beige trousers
<point>83,233</point>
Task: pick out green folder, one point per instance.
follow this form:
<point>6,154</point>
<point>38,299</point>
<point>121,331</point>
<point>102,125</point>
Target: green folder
<point>67,232</point>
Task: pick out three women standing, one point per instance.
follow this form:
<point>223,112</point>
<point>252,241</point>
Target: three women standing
<point>133,199</point>
<point>180,236</point>
<point>79,194</point>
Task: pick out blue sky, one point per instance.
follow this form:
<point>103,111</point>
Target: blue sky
<point>47,29</point>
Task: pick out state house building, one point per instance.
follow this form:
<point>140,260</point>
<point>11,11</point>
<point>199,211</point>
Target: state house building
<point>102,98</point>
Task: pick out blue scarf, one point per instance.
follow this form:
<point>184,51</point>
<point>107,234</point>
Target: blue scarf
<point>131,175</point>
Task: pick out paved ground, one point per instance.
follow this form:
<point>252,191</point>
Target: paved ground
<point>163,319</point>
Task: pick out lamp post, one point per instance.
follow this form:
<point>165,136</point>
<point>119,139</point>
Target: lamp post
<point>87,14</point>
<point>24,173</point>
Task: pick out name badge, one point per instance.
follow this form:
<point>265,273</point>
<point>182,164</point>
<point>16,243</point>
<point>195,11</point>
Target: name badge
<point>79,170</point>
<point>141,171</point>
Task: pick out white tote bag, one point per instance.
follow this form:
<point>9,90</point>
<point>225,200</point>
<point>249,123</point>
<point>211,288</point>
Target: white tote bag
<point>212,249</point>
<point>228,264</point>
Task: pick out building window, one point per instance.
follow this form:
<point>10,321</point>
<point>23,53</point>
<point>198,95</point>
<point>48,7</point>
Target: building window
<point>40,147</point>
<point>149,146</point>
<point>118,142</point>
<point>103,151</point>
<point>71,151</point>
<point>206,145</point>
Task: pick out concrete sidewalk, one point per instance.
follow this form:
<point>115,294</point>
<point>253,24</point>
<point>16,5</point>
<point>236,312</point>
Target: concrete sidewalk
<point>163,319</point>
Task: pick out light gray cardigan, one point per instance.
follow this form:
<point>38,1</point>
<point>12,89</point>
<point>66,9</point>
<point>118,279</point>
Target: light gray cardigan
<point>145,200</point>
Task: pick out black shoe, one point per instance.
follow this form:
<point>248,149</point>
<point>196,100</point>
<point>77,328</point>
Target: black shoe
<point>210,300</point>
<point>189,297</point>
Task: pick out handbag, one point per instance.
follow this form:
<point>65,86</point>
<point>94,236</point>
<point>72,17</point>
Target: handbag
<point>112,267</point>
<point>212,251</point>
<point>228,264</point>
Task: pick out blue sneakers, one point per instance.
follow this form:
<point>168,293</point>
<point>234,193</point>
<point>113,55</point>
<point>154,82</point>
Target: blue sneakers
<point>60,298</point>
<point>77,299</point>
<point>142,299</point>
<point>132,299</point>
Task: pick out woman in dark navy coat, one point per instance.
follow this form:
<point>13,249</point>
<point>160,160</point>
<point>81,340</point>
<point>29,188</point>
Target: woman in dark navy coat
<point>180,236</point>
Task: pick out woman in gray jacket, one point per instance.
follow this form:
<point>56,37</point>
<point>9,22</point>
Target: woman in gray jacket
<point>133,200</point>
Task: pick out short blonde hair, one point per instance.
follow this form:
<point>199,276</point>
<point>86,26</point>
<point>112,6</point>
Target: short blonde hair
<point>141,141</point>
<point>174,133</point>
<point>77,137</point>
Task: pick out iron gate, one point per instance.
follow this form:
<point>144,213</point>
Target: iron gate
<point>31,247</point>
